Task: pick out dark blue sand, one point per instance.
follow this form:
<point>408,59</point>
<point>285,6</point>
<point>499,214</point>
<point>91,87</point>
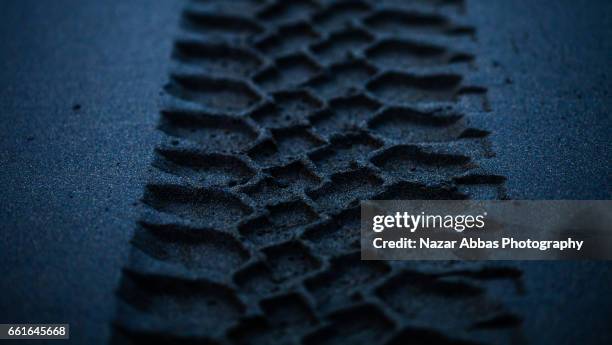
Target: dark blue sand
<point>79,88</point>
<point>551,124</point>
<point>80,82</point>
<point>551,91</point>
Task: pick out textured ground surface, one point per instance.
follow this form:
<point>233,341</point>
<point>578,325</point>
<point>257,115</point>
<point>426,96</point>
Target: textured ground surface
<point>279,118</point>
<point>70,175</point>
<point>550,82</point>
<point>260,134</point>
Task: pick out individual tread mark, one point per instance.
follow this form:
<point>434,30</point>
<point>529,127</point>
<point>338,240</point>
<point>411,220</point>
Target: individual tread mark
<point>295,175</point>
<point>338,234</point>
<point>462,299</point>
<point>291,214</point>
<point>344,152</point>
<point>290,108</point>
<point>218,60</point>
<point>286,317</point>
<point>332,289</point>
<point>362,324</point>
<point>261,232</point>
<point>215,133</point>
<point>288,39</point>
<point>401,88</point>
<point>281,223</point>
<point>258,331</point>
<point>343,80</point>
<point>341,44</point>
<point>170,303</point>
<point>287,11</point>
<point>406,125</point>
<point>256,280</point>
<point>265,153</point>
<point>345,114</point>
<point>413,163</point>
<point>290,260</point>
<point>340,14</point>
<point>287,73</point>
<point>346,188</point>
<point>207,168</point>
<point>265,191</point>
<point>396,21</point>
<point>215,94</point>
<point>208,250</point>
<point>292,143</point>
<point>215,208</point>
<point>405,54</point>
<point>288,310</point>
